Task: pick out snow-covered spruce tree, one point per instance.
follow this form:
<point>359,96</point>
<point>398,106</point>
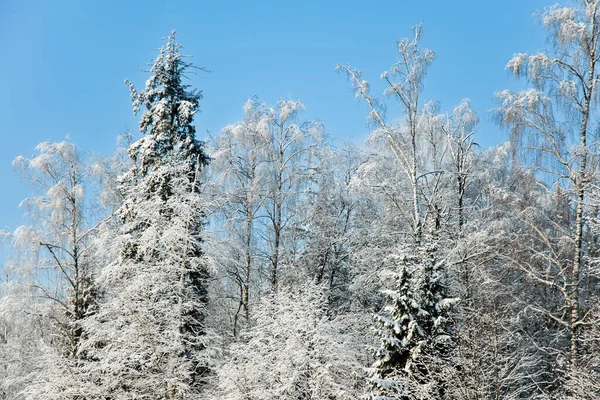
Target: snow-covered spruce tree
<point>148,337</point>
<point>415,331</point>
<point>295,350</point>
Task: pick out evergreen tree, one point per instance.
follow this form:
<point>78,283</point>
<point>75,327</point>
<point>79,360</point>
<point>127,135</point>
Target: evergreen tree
<point>414,330</point>
<point>148,337</point>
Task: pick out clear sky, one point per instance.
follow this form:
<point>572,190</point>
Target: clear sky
<point>63,63</point>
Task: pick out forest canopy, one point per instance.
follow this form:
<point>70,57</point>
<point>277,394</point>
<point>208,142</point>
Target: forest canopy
<point>265,262</point>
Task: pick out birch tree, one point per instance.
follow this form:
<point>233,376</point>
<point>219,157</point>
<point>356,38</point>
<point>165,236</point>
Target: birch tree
<point>404,83</point>
<point>556,118</point>
<point>56,247</point>
<point>54,264</point>
<point>240,172</point>
<point>290,152</point>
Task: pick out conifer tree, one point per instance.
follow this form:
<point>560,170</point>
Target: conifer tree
<point>414,330</point>
<point>148,337</point>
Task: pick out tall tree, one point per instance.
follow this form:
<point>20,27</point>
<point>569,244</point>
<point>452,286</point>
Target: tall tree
<point>55,267</point>
<point>405,84</point>
<point>556,117</point>
<point>416,210</point>
<point>292,146</point>
<point>148,338</point>
<point>59,238</point>
<point>240,176</point>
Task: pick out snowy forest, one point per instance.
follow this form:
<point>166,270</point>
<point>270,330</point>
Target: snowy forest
<point>263,262</point>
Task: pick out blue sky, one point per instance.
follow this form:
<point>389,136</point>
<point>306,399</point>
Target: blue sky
<point>64,63</point>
